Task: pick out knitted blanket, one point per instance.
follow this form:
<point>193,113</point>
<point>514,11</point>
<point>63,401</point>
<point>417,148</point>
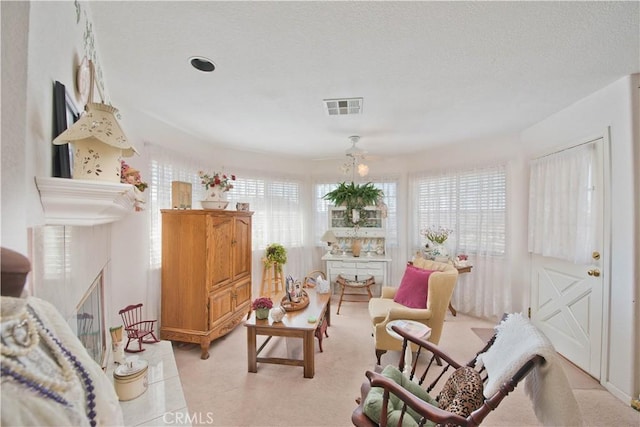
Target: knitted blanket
<point>517,341</point>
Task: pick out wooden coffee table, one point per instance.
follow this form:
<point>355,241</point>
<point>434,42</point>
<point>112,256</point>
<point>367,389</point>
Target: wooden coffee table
<point>295,324</point>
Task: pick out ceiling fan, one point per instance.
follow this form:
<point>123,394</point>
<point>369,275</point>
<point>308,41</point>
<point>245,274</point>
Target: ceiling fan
<point>355,159</point>
<point>354,151</point>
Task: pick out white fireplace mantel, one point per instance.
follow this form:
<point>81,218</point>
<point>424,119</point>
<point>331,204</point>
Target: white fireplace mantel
<point>84,202</point>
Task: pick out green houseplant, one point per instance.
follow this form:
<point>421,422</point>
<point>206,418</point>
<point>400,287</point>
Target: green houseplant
<point>354,196</point>
<point>276,254</point>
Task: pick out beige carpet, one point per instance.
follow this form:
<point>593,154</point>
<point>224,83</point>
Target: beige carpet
<point>219,391</point>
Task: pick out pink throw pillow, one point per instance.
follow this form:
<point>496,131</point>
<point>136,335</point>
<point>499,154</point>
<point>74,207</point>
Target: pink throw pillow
<point>413,288</point>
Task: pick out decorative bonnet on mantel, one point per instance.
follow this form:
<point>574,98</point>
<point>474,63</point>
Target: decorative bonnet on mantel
<point>98,144</point>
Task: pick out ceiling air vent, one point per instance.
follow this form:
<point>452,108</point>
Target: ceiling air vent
<point>341,107</point>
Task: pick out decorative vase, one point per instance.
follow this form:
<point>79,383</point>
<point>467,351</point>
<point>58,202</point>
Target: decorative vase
<point>439,250</point>
<point>216,194</point>
<point>262,313</point>
<point>216,199</point>
<point>356,247</point>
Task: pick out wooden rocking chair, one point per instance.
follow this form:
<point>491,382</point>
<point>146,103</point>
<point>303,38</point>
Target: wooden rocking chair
<point>403,401</point>
<point>136,328</point>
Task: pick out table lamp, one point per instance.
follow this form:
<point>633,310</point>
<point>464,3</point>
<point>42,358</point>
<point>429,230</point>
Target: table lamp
<point>330,238</point>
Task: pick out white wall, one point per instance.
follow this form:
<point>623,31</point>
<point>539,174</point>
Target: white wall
<point>14,107</point>
<point>611,107</point>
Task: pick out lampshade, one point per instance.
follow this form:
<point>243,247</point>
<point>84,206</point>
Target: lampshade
<point>329,237</point>
<point>98,122</point>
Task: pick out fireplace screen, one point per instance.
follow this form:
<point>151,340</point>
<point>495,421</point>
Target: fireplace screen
<point>90,322</point>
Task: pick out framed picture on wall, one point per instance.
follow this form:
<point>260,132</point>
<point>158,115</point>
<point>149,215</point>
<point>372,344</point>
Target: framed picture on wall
<point>65,112</point>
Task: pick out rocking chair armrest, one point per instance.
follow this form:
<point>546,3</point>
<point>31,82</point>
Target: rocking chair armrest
<point>425,409</point>
<point>144,323</point>
<point>434,349</point>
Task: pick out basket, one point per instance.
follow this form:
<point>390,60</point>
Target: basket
<point>310,279</point>
<point>293,305</point>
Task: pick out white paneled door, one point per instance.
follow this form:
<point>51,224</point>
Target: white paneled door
<point>567,298</point>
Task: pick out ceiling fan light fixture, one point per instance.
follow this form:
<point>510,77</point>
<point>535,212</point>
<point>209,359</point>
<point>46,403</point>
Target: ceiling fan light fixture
<point>354,163</point>
<point>202,64</point>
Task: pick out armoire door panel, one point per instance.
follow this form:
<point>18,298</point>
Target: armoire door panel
<point>242,292</point>
<point>219,249</point>
<point>220,306</point>
<point>242,248</point>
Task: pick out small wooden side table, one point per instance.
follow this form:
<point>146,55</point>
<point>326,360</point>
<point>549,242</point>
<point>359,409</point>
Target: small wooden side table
<point>354,284</point>
<point>417,329</point>
<point>465,269</point>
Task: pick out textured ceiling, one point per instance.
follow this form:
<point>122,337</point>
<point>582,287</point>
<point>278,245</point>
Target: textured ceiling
<point>430,73</point>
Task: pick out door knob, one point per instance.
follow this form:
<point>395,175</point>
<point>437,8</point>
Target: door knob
<point>595,255</point>
<point>595,272</point>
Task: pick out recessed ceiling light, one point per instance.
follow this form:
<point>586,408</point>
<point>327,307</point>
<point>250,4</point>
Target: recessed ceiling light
<point>203,64</point>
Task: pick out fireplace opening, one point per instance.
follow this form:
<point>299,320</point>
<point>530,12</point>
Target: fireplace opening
<point>90,321</point>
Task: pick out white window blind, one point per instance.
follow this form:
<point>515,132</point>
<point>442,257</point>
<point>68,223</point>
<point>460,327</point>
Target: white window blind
<point>56,243</point>
<point>276,202</point>
<point>278,216</point>
<point>471,203</point>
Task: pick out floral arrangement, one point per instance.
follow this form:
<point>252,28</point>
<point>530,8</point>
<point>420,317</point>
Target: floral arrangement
<point>262,302</point>
<point>129,175</point>
<point>218,179</point>
<point>436,235</point>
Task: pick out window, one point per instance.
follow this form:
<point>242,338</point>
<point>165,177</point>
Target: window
<point>276,203</point>
<point>563,217</point>
<point>472,203</point>
<point>278,213</point>
<point>390,189</point>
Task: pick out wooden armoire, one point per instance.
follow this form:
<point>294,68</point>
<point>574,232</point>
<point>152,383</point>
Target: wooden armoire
<point>206,274</point>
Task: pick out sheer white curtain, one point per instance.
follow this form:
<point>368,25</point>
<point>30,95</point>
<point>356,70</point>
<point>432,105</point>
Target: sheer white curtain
<point>278,203</point>
<point>562,215</point>
<point>473,204</point>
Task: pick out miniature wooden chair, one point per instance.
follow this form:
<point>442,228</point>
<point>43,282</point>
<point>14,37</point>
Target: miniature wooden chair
<point>136,328</point>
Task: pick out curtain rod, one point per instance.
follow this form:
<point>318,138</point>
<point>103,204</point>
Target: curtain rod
<point>592,141</point>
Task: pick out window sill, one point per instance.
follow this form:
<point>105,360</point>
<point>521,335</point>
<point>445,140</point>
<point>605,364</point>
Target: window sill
<point>83,202</point>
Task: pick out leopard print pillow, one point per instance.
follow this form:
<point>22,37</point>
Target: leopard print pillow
<point>462,393</point>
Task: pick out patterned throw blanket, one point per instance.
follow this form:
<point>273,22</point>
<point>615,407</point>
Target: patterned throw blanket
<point>546,385</point>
